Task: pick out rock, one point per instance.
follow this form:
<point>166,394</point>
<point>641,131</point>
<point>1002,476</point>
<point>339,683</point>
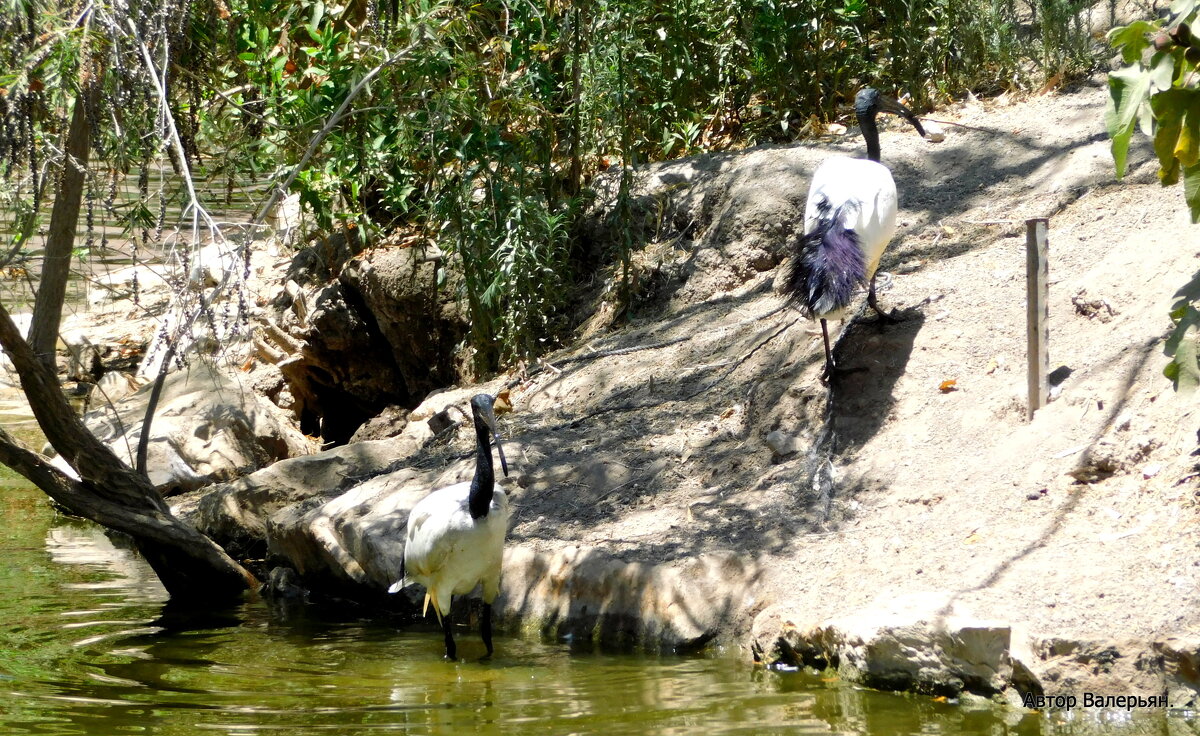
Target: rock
<point>783,444</point>
<point>213,264</point>
<point>112,387</point>
<point>923,642</point>
<point>316,264</point>
<point>144,281</point>
<point>355,539</point>
<point>1181,670</point>
<point>418,318</point>
<point>207,428</point>
<point>929,643</point>
<point>586,596</point>
<point>283,584</point>
<point>235,514</point>
<point>1062,666</point>
<point>388,423</point>
<point>443,420</point>
<point>83,358</point>
<point>344,370</point>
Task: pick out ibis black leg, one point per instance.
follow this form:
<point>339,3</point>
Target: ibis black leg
<point>451,650</point>
<point>889,318</point>
<point>829,367</point>
<point>485,627</point>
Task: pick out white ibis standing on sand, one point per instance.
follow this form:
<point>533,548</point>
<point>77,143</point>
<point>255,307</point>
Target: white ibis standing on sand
<point>848,221</point>
<point>455,537</point>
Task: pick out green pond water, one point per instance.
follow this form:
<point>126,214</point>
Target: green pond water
<point>89,645</point>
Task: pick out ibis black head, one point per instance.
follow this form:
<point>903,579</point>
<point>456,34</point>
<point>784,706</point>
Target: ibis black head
<point>485,421</point>
<point>870,102</point>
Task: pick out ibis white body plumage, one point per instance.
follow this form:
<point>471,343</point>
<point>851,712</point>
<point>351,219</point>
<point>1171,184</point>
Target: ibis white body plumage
<point>861,194</point>
<point>449,552</point>
<point>455,535</point>
<point>849,219</point>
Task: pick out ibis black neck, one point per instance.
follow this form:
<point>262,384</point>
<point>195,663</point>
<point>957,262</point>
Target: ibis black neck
<point>870,133</point>
<point>483,484</point>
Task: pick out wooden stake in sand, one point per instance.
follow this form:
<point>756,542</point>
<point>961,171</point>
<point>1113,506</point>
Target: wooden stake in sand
<point>1037,272</point>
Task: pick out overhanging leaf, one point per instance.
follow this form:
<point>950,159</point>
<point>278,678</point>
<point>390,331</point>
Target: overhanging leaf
<point>1184,368</point>
<point>1187,148</point>
<point>1128,89</point>
<point>1168,110</point>
<point>1181,347</point>
<point>1191,190</point>
<point>1132,39</point>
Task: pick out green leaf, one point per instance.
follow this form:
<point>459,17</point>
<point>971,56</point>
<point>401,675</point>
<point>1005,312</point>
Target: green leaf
<point>1128,89</point>
<point>1168,108</point>
<point>1181,347</point>
<point>1132,39</point>
<point>1187,148</point>
<point>1168,173</point>
<point>1191,190</point>
<point>1185,366</point>
<point>1162,70</point>
<point>247,56</point>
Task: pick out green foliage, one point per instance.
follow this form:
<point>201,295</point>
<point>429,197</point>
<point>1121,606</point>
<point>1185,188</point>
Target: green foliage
<point>1158,93</point>
<point>484,136</point>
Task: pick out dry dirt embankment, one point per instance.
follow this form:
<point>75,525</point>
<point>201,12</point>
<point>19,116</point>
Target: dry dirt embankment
<point>953,543</point>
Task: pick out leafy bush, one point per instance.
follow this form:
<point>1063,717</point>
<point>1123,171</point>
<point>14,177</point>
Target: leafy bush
<point>1157,91</point>
<point>484,134</point>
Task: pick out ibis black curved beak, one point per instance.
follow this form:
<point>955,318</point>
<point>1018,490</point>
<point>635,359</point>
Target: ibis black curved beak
<point>489,418</point>
<point>887,104</point>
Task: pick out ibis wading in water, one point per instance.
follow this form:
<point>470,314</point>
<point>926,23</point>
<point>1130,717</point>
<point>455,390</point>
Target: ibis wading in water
<point>455,537</point>
<point>848,221</point>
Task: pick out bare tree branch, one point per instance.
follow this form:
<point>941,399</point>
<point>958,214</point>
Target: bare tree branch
<point>188,563</point>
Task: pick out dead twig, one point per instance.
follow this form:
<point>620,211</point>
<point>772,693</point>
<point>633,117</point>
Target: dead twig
<point>960,125</point>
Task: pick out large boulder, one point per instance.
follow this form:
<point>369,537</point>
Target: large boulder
<point>381,331</point>
<point>420,320</point>
<point>207,428</point>
<point>343,372</point>
<point>924,642</point>
<point>590,597</point>
<point>240,515</point>
<point>235,514</point>
<point>928,642</point>
<point>355,540</point>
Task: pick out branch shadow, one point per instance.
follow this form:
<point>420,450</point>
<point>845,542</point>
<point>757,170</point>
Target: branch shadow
<point>1061,514</point>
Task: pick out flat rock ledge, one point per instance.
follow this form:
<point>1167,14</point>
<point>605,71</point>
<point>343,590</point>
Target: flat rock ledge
<point>578,594</point>
<point>348,539</point>
<point>586,596</point>
<point>930,643</point>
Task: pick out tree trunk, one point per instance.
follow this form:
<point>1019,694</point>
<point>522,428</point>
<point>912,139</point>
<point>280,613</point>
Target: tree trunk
<point>189,564</point>
<point>64,219</point>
